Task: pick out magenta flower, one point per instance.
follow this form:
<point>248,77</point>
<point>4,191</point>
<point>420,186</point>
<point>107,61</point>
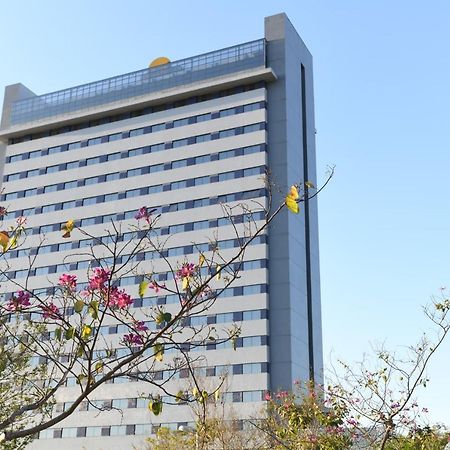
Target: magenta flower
<point>155,286</point>
<point>99,278</point>
<point>119,298</point>
<point>50,311</point>
<point>19,301</point>
<point>133,339</point>
<point>144,213</point>
<point>140,326</point>
<point>21,221</point>
<point>186,270</point>
<point>68,281</point>
<point>267,396</point>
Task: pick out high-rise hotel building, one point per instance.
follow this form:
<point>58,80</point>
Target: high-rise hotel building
<point>182,137</point>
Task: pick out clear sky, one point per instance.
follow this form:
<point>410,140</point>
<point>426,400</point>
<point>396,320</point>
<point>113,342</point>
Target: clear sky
<point>382,89</point>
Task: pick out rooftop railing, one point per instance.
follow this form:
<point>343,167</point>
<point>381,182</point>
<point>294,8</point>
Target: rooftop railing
<point>183,72</point>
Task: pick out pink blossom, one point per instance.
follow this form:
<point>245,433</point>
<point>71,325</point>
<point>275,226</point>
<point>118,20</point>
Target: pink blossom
<point>21,221</point>
<point>19,301</point>
<point>154,285</point>
<point>267,396</point>
<point>68,281</point>
<point>144,213</point>
<point>186,270</point>
<point>3,211</point>
<point>140,326</point>
<point>99,278</point>
<point>50,311</point>
<point>133,339</point>
<point>118,298</point>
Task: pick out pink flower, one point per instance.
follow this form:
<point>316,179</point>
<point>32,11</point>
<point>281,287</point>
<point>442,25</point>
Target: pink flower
<point>119,298</point>
<point>21,221</point>
<point>154,285</point>
<point>132,339</point>
<point>19,301</point>
<point>140,326</point>
<point>50,311</point>
<point>186,270</point>
<point>144,213</point>
<point>267,396</point>
<point>99,278</point>
<point>3,211</point>
<point>68,281</point>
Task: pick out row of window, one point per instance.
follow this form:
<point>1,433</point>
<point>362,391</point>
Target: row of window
<point>138,402</point>
<point>108,239</point>
<point>138,192</point>
<point>131,173</point>
<point>141,131</point>
<point>140,112</point>
<point>173,229</point>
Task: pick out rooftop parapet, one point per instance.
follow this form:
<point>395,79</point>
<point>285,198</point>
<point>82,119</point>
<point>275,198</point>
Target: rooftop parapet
<point>238,58</point>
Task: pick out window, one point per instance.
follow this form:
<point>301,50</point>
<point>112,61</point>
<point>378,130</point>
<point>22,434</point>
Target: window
<point>252,171</point>
<point>227,133</point>
<point>227,154</point>
<point>36,154</point>
<point>51,188</point>
<point>88,221</point>
<point>201,180</point>
<point>71,165</point>
<point>178,164</point>
<point>226,176</point>
<point>158,127</point>
<point>89,201</point>
<point>251,128</point>
<point>70,204</point>
<point>156,148</point>
<point>74,145</point>
<point>201,225</point>
<point>136,132</point>
<point>54,150</point>
<point>227,112</point>
<point>134,172</point>
<point>180,143</point>
<point>178,184</point>
<point>15,158</point>
<point>70,185</point>
<point>33,173</point>
<point>204,117</point>
<point>94,141</point>
<point>114,137</point>
<point>202,159</point>
<point>92,180</point>
<point>252,149</point>
<point>48,208</point>
<point>113,156</point>
<point>136,152</point>
<point>13,177</point>
<point>156,168</point>
<point>251,107</point>
<point>133,193</point>
<point>112,176</point>
<point>30,192</point>
<point>91,161</point>
<point>180,122</point>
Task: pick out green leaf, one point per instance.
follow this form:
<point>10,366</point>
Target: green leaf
<point>58,334</point>
<point>167,317</point>
<point>93,309</point>
<point>143,285</point>
<point>86,331</point>
<point>99,366</point>
<point>179,397</point>
<point>78,307</point>
<point>159,351</point>
<point>70,333</point>
<point>309,184</point>
<point>155,406</point>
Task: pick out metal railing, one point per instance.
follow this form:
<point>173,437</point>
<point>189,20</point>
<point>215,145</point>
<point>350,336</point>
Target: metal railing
<point>185,71</point>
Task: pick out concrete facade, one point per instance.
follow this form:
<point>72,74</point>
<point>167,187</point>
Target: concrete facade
<point>65,161</point>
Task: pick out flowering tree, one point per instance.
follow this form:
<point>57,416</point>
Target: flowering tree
<point>59,333</point>
<point>380,394</point>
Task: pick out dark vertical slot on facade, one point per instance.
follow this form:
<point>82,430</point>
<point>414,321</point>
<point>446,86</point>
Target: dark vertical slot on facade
<point>307,230</point>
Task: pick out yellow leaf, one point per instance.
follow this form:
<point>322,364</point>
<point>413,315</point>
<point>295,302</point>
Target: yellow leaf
<point>68,227</point>
<point>309,184</point>
<point>159,351</point>
<point>143,285</point>
<point>4,239</point>
<point>217,395</point>
<point>86,331</point>
<point>185,283</point>
<point>201,259</point>
<point>292,205</point>
<point>218,272</point>
<point>293,192</point>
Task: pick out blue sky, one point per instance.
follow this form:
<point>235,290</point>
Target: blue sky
<point>382,99</point>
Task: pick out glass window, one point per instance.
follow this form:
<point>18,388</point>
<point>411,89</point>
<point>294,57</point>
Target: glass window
<point>180,143</point>
<point>70,204</point>
<point>30,192</point>
<point>113,156</point>
<point>114,137</point>
<point>88,221</point>
<point>227,133</point>
<point>111,197</point>
<point>134,172</point>
<point>93,431</point>
<point>89,201</point>
<point>69,432</point>
<point>201,225</point>
<point>202,159</point>
<point>204,117</point>
<point>203,138</point>
<point>48,208</point>
<point>136,152</point>
<point>156,148</point>
<point>72,165</point>
<point>178,184</point>
<point>37,153</point>
<point>227,112</point>
<point>54,150</point>
<point>133,193</point>
<point>201,180</point>
<point>178,164</point>
<point>95,141</point>
<point>251,107</point>
<point>252,149</point>
<point>156,168</point>
<point>136,132</point>
<point>158,127</point>
<point>251,128</point>
<point>226,176</point>
<point>155,189</point>
<point>74,145</point>
<point>15,158</point>
<point>13,177</point>
<point>180,122</point>
<point>251,171</point>
<point>91,180</point>
<point>33,173</point>
<point>91,161</point>
<point>227,154</point>
<point>112,176</point>
<point>51,188</point>
<point>70,185</point>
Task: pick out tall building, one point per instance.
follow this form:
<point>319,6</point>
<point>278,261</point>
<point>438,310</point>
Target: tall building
<point>182,137</point>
